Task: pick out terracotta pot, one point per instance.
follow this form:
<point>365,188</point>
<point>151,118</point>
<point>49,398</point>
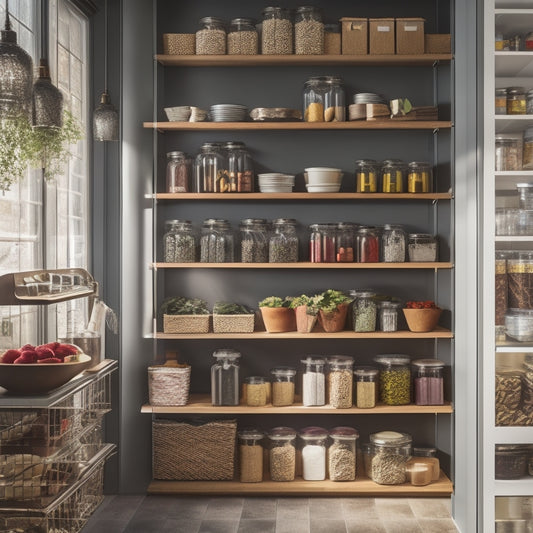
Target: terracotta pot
<point>304,322</point>
<point>335,321</point>
<point>422,320</point>
<point>278,319</point>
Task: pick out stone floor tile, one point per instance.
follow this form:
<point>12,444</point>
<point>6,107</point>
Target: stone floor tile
<point>224,509</point>
<point>142,524</point>
<point>328,508</point>
<point>257,526</point>
<point>394,508</point>
<point>259,508</point>
<point>360,509</point>
<point>321,525</point>
<point>439,525</point>
<point>402,525</point>
<point>121,508</point>
<point>292,509</point>
<point>104,526</point>
<point>219,526</point>
<point>364,525</point>
<point>292,526</point>
<point>176,525</point>
<point>429,508</point>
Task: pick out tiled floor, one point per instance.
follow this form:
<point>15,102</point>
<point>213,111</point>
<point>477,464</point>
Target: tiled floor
<point>172,514</point>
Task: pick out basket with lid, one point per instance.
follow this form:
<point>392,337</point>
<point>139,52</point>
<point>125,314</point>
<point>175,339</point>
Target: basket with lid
<point>168,384</point>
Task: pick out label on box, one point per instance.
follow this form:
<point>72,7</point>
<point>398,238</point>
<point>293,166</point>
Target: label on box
<point>383,28</point>
<point>356,26</point>
<point>410,28</point>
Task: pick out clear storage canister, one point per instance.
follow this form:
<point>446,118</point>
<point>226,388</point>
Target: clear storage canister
<point>516,101</point>
<point>216,242</point>
<point>313,453</point>
<point>367,245</point>
<point>394,379</point>
<point>428,381</point>
<point>332,39</point>
<point>225,377</point>
<point>507,153</point>
<point>313,381</point>
<point>242,37</point>
<point>390,451</point>
<point>500,101</point>
<point>308,31</point>
<point>388,315</point>
<point>422,247</point>
<point>210,169</point>
<point>364,311</point>
<point>211,37</point>
<point>254,240</point>
<point>179,242</point>
<point>240,168</point>
<point>178,174</point>
<point>366,175</point>
<point>340,382</point>
<point>322,243</point>
<point>255,391</point>
<point>428,455</point>
<point>393,244</point>
<point>419,177</point>
<point>342,464</point>
<point>282,453</point>
<point>277,31</point>
<point>529,102</point>
<point>283,386</point>
<point>366,386</point>
<point>283,243</point>
<point>501,288</point>
<point>525,195</point>
<point>393,175</point>
<point>324,100</point>
<point>527,153</point>
<point>251,456</point>
<point>520,280</point>
<point>345,242</point>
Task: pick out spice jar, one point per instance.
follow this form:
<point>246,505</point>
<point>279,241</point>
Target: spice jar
<point>254,240</point>
<point>340,382</point>
<point>256,391</point>
<point>394,379</point>
<point>367,244</point>
<point>427,455</point>
<point>313,453</point>
<point>520,280</point>
<point>210,169</point>
<point>393,244</point>
<point>251,456</point>
<point>240,170</point>
<point>324,100</point>
<point>500,102</point>
<point>428,382</point>
<point>308,31</point>
<point>345,241</point>
<point>511,462</point>
<point>242,37</point>
<point>501,287</point>
<point>332,39</point>
<point>322,243</point>
<point>419,177</point>
<point>178,175</point>
<point>516,101</point>
<point>277,31</point>
<point>283,386</point>
<point>211,37</point>
<point>366,175</point>
<point>313,381</point>
<point>225,377</point>
<point>527,155</point>
<point>366,387</point>
<point>342,464</point>
<point>418,472</point>
<point>216,242</point>
<point>390,451</point>
<point>179,242</point>
<point>364,310</point>
<point>393,175</point>
<point>388,315</point>
<point>422,248</point>
<point>507,153</point>
<point>283,243</point>
<point>282,454</point>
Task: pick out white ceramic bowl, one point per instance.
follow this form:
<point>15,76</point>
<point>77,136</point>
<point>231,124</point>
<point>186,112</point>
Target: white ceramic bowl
<point>323,188</point>
<point>323,175</point>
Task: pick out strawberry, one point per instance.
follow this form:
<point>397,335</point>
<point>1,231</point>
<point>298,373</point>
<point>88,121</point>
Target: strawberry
<point>43,352</point>
<point>65,349</point>
<point>26,357</point>
<point>49,360</point>
<point>27,347</point>
<point>10,356</point>
<point>51,345</point>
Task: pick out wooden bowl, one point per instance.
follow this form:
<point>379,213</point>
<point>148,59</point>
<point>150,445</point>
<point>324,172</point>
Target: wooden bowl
<point>422,320</point>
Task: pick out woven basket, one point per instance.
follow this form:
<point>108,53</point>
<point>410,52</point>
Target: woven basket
<point>179,43</point>
<point>169,385</point>
<point>182,451</point>
<point>186,323</point>
<point>233,323</point>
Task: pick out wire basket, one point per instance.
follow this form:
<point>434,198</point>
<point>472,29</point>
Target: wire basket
<point>169,385</point>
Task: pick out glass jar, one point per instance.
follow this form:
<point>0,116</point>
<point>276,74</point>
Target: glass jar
<point>364,310</point>
<point>525,195</point>
<point>283,386</point>
<point>313,381</point>
<point>242,37</point>
<point>366,175</point>
<point>277,32</point>
<point>511,461</point>
<point>216,242</point>
<point>210,169</point>
<point>516,101</point>
<point>283,243</point>
<point>528,42</point>
<point>422,248</point>
<point>498,41</point>
<point>428,381</point>
<point>256,391</point>
<point>501,287</point>
<point>366,387</point>
<point>390,451</point>
<point>313,453</point>
<point>393,175</point>
<point>366,448</point>
<point>282,453</point>
<point>394,379</point>
<point>419,177</point>
<point>345,241</point>
<point>520,280</point>
<point>251,456</point>
<point>240,168</point>
<point>308,31</point>
<point>507,153</point>
<point>324,100</point>
<point>500,101</point>
<point>225,377</point>
<point>428,456</point>
<point>211,37</point>
<point>388,315</point>
<point>340,382</point>
<point>178,175</point>
<point>179,242</point>
<point>367,244</point>
<point>322,243</point>
<point>342,464</point>
<point>418,471</point>
<point>254,240</point>
<point>332,39</point>
<point>393,244</point>
<point>527,153</point>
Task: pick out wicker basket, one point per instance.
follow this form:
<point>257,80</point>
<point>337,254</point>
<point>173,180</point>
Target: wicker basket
<point>233,323</point>
<point>169,385</point>
<point>186,323</point>
<point>183,451</point>
<point>179,43</point>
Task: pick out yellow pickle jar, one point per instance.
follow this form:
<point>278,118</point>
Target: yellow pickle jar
<point>516,101</point>
<point>393,175</point>
<point>251,456</point>
<point>366,175</point>
<point>419,177</point>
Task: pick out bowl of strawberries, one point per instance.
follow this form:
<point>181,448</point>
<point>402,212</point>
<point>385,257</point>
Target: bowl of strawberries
<point>40,369</point>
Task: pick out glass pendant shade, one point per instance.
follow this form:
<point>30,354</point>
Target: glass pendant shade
<point>105,120</point>
<point>47,100</point>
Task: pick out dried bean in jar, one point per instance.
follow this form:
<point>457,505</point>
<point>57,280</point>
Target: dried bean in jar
<point>308,32</point>
<point>277,32</point>
<point>211,37</point>
<point>388,468</point>
<point>282,463</point>
<point>341,462</point>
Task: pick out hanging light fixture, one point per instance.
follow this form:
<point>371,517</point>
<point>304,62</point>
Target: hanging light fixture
<point>16,74</point>
<point>105,117</point>
<point>47,98</point>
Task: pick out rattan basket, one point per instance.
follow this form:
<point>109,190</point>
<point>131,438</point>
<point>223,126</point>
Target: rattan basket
<point>184,451</point>
<point>169,385</point>
<point>233,323</point>
<point>179,43</point>
<point>186,323</point>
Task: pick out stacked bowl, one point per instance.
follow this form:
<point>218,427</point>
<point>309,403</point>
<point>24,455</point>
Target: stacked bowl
<point>323,179</point>
<point>275,182</point>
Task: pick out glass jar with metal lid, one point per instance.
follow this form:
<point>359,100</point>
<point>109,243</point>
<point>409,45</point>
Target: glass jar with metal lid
<point>527,153</point>
<point>254,240</point>
<point>332,39</point>
<point>388,315</point>
<point>390,451</point>
<point>394,379</point>
<point>525,195</point>
<point>313,381</point>
<point>313,453</point>
<point>179,170</point>
<point>216,242</point>
<point>428,381</point>
<point>364,311</point>
<point>340,382</point>
<point>210,168</point>
<point>240,168</point>
<point>251,455</point>
<point>342,453</point>
<point>393,173</point>
<point>322,243</point>
<point>225,377</point>
<point>366,175</point>
<point>500,101</point>
<point>345,242</point>
<point>393,243</point>
<point>516,101</point>
<point>428,456</point>
<point>179,242</point>
<point>507,153</point>
<point>501,285</point>
<point>255,391</point>
<point>277,31</point>
<point>422,247</point>
<point>419,177</point>
<point>367,244</point>
<point>308,31</point>
<point>366,386</point>
<point>283,243</point>
<point>211,37</point>
<point>324,99</point>
<point>242,37</point>
<point>282,453</point>
<point>283,386</point>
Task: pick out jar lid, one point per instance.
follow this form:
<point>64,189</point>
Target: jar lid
<point>501,92</point>
<point>282,432</point>
<point>510,449</point>
<point>516,90</point>
<point>415,164</point>
<point>504,139</point>
<point>421,236</point>
<point>251,434</point>
<point>433,363</point>
<point>363,294</point>
<point>393,226</point>
<point>232,145</point>
<point>389,360</point>
<point>366,371</point>
<point>281,221</point>
<point>394,162</point>
<point>340,360</point>
<point>513,311</point>
<point>243,21</point>
<point>313,432</point>
<point>366,162</point>
<point>177,222</point>
<point>367,229</point>
<point>303,9</point>
<point>283,371</point>
<point>524,185</point>
<point>387,304</point>
<point>255,380</point>
<point>176,153</point>
<point>226,353</point>
<point>424,452</point>
<point>275,9</point>
<point>390,438</point>
<point>344,432</point>
<point>253,221</point>
<point>347,225</point>
<point>356,292</point>
<point>212,20</point>
<point>314,360</point>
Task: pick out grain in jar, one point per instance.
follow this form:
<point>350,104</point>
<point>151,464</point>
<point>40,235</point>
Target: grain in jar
<point>364,311</point>
<point>332,39</point>
<point>211,37</point>
<point>254,236</point>
<point>251,456</point>
<point>390,451</point>
<point>520,281</point>
<point>242,37</point>
<point>508,153</point>
<point>366,386</point>
<point>422,247</point>
<point>256,391</point>
<point>277,31</point>
<point>428,456</point>
<point>283,386</point>
<point>393,244</point>
<point>313,381</point>
<point>508,391</point>
<point>500,287</point>
<point>342,465</point>
<point>179,242</point>
<point>308,31</point>
<point>282,453</point>
<point>313,449</point>
<point>324,99</point>
<point>340,382</point>
<point>216,242</point>
<point>500,101</point>
<point>394,379</point>
<point>283,243</point>
<point>418,472</point>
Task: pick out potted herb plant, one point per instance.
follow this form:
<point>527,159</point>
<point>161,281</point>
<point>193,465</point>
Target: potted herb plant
<point>422,316</point>
<point>185,315</point>
<point>306,311</point>
<point>333,310</point>
<point>232,318</point>
<point>277,314</point>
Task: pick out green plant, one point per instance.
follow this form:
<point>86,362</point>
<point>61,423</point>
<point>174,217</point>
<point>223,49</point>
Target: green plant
<point>331,299</point>
<point>180,305</point>
<point>312,303</point>
<point>275,301</point>
<point>227,308</point>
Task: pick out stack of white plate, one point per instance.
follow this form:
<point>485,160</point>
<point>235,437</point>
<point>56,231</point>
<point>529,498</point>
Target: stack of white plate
<point>368,98</point>
<point>276,182</point>
<point>178,114</point>
<point>228,113</point>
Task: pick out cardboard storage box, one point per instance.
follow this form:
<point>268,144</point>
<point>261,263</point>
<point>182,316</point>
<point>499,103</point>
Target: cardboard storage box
<point>354,36</point>
<point>438,43</point>
<point>381,36</point>
<point>410,36</point>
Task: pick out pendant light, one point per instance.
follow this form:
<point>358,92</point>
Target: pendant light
<point>47,98</point>
<point>16,74</point>
<point>105,117</point>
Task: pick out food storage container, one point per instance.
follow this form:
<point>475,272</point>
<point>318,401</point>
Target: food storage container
<point>366,386</point>
<point>529,102</point>
<point>342,464</point>
<point>179,171</point>
<point>324,99</point>
<point>211,37</point>
<point>323,243</point>
<point>510,525</point>
<point>511,461</point>
<point>366,175</point>
<point>332,39</point>
<point>390,451</point>
<point>242,37</point>
<point>251,456</point>
<point>525,195</point>
<point>364,311</point>
<point>516,101</point>
<point>520,280</point>
<point>519,324</point>
<point>500,101</point>
<point>210,169</point>
<point>255,391</point>
<point>277,31</point>
<point>393,172</point>
<point>507,153</point>
<point>418,472</point>
<point>254,234</point>
<point>283,243</point>
<point>345,242</point>
<point>179,242</point>
<point>225,377</point>
<point>388,315</point>
<point>419,177</point>
<point>527,152</point>
<point>394,379</point>
<point>428,455</point>
<point>428,381</point>
<point>283,386</point>
<point>308,31</point>
<point>367,457</point>
<point>313,381</point>
<point>340,382</point>
<point>240,169</point>
<point>282,453</point>
<point>501,286</point>
<point>367,245</point>
<point>393,243</point>
<point>313,453</point>
<point>216,242</point>
<point>422,247</point>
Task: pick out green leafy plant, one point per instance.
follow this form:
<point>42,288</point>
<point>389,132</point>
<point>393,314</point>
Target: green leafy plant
<point>227,308</point>
<point>331,299</point>
<point>180,305</point>
<point>275,301</point>
<point>312,303</point>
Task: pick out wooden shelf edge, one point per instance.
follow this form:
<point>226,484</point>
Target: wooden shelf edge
<point>306,264</point>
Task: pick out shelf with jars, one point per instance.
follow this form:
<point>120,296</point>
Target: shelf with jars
<point>308,265</point>
<point>303,196</point>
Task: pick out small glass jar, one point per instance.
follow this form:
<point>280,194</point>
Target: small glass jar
<point>394,379</point>
<point>254,240</point>
<point>428,381</point>
<point>332,39</point>
<point>364,311</point>
<point>388,315</point>
<point>525,195</point>
<point>393,175</point>
<point>179,242</point>
<point>367,245</point>
<point>366,175</point>
<point>225,377</point>
<point>511,462</point>
<point>240,168</point>
<point>342,463</point>
<point>179,170</point>
<point>211,37</point>
<point>277,31</point>
<point>216,242</point>
<point>422,248</point>
<point>507,153</point>
<point>498,41</point>
<point>345,242</point>
<point>500,101</point>
<point>428,455</point>
<point>282,454</point>
<point>251,456</point>
<point>516,101</point>
<point>322,243</point>
<point>393,244</point>
<point>527,152</point>
<point>418,471</point>
<point>283,242</point>
<point>308,31</point>
<point>366,387</point>
<point>210,169</point>
<point>520,280</point>
<point>324,100</point>
<point>366,449</point>
<point>390,451</point>
<point>283,386</point>
<point>419,177</point>
<point>313,381</point>
<point>256,391</point>
<point>242,37</point>
<point>340,382</point>
<point>313,453</point>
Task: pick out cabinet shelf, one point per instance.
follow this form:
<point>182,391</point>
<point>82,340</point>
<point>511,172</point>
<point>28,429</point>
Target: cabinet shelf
<point>513,64</point>
<point>513,123</point>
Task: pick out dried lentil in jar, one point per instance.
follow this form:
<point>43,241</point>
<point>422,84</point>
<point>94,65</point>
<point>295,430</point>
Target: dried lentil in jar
<point>211,37</point>
<point>308,31</point>
<point>283,386</point>
<point>179,242</point>
<point>364,311</point>
<point>282,454</point>
<point>277,31</point>
<point>251,456</point>
<point>242,37</point>
<point>366,175</point>
<point>390,451</point>
<point>340,382</point>
<point>394,379</point>
<point>419,177</point>
<point>283,243</point>
<point>366,386</point>
<point>256,391</point>
<point>216,242</point>
<point>516,101</point>
<point>254,240</point>
<point>342,464</point>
